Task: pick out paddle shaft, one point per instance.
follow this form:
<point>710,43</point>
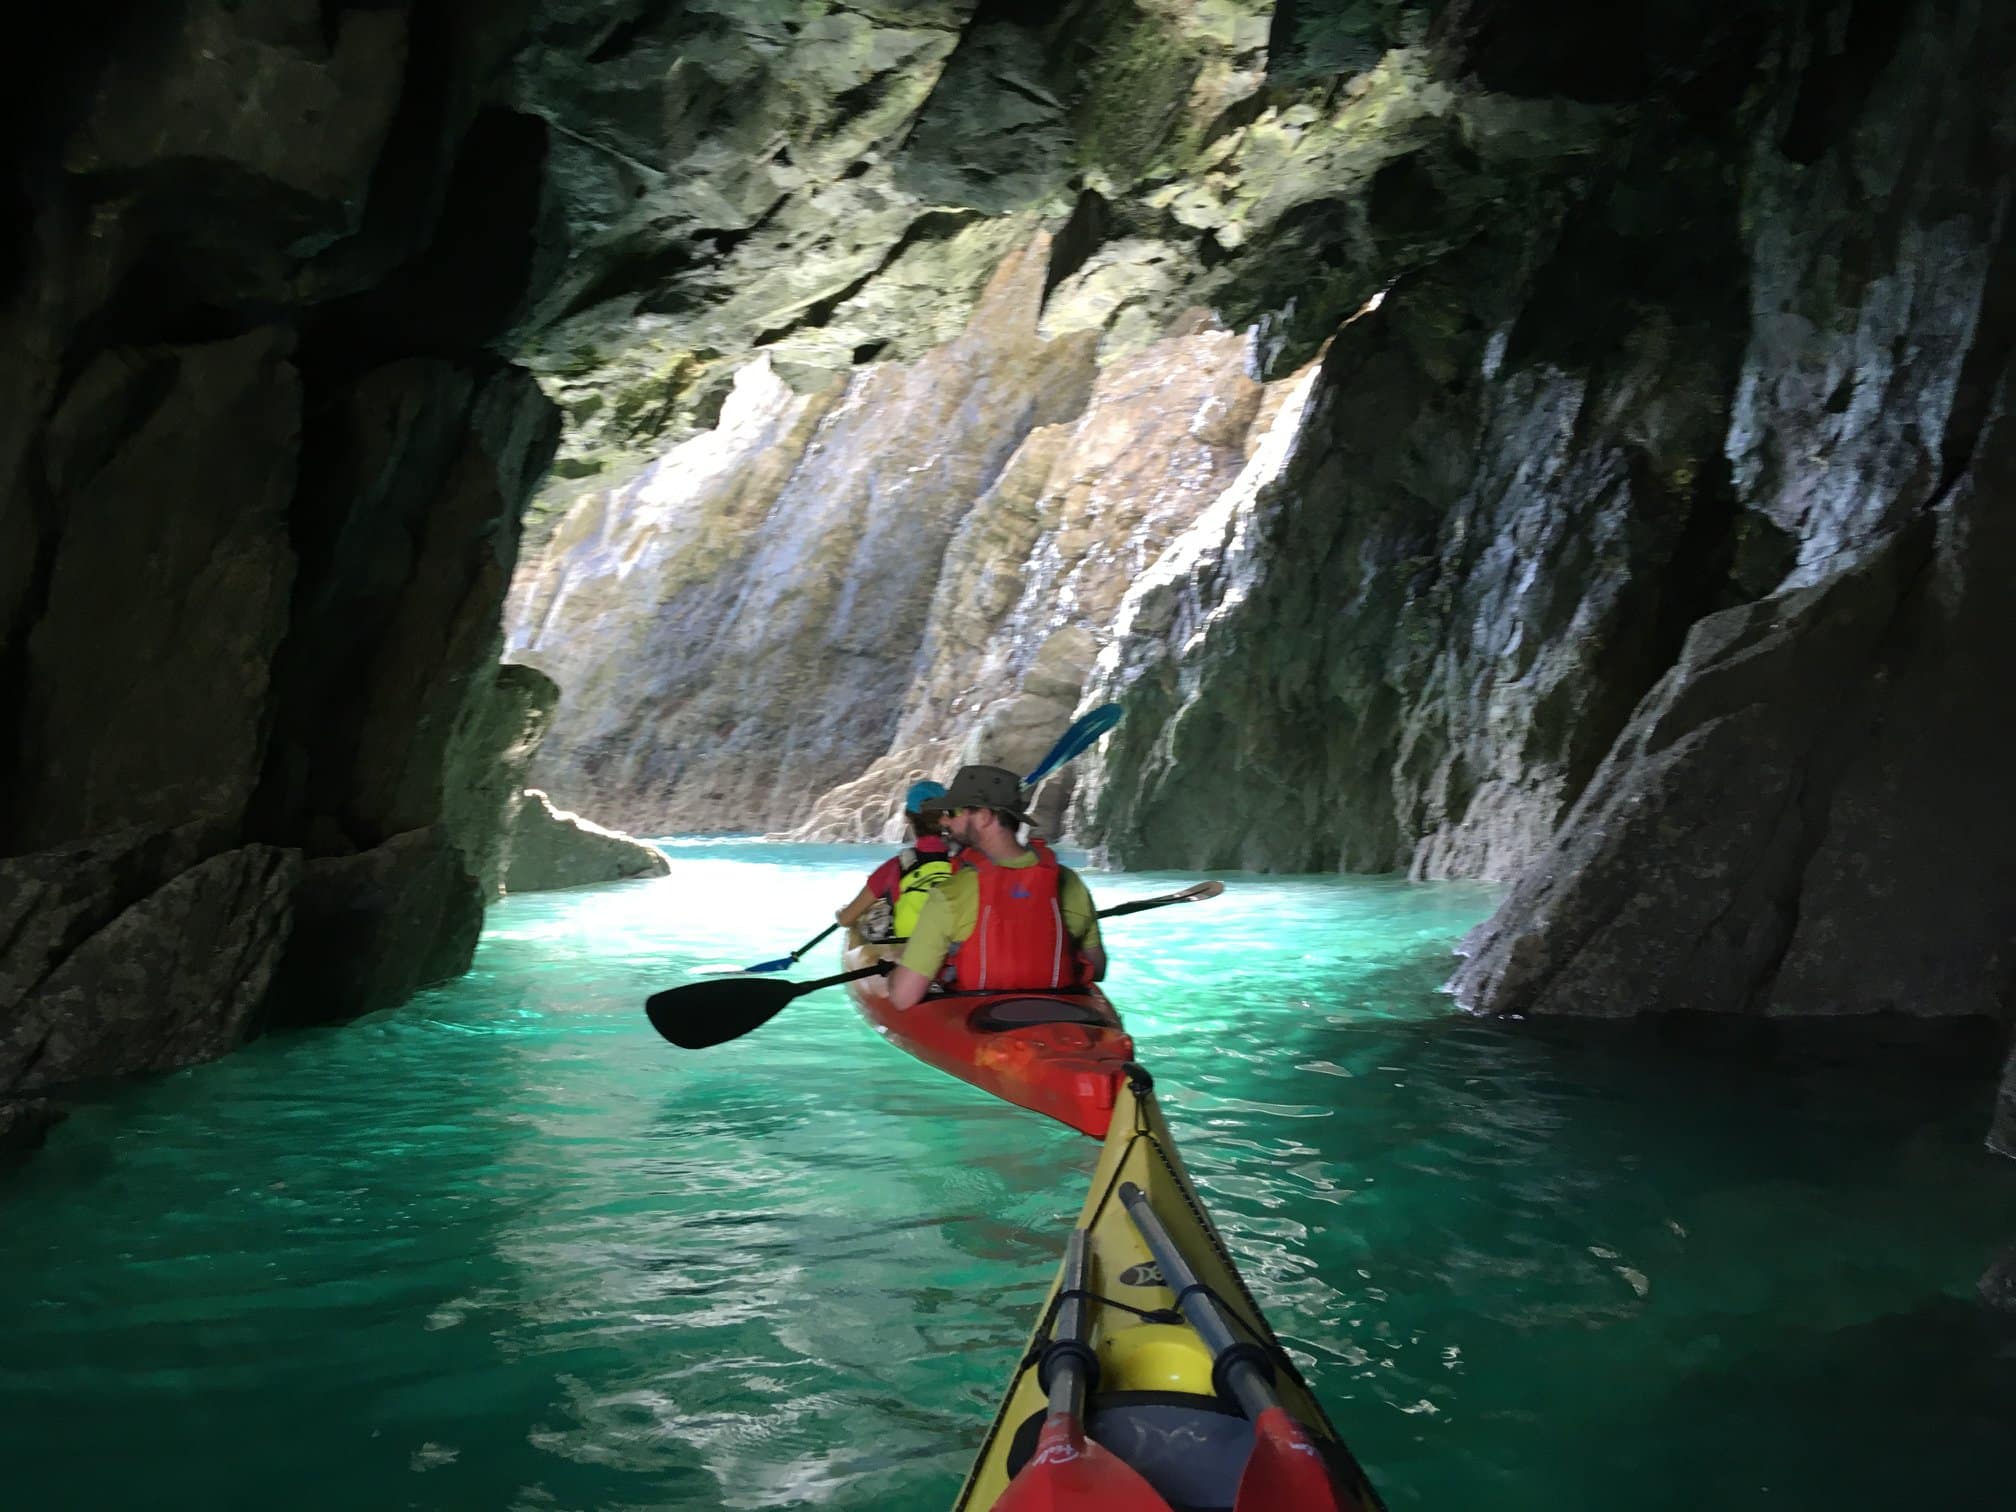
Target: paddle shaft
<point>814,940</point>
<point>785,963</point>
<point>1067,1359</point>
<point>1082,733</point>
<point>1195,894</point>
<point>880,968</point>
<point>1247,1382</point>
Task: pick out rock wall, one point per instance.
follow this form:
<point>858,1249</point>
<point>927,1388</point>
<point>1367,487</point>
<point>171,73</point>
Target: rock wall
<point>1754,338</point>
<point>769,656</point>
<point>1776,829</point>
<point>1775,819</point>
<point>1411,644</point>
<point>1210,185</point>
<point>262,463</point>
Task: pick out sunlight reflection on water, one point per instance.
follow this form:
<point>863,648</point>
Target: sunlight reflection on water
<point>505,1248</point>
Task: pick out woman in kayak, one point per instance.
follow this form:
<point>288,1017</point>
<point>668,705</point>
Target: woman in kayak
<point>887,907</point>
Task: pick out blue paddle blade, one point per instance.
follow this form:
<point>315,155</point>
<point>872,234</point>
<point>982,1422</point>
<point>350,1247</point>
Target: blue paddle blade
<point>782,963</point>
<point>1077,738</point>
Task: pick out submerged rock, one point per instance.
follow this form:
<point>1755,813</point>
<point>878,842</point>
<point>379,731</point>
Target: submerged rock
<point>125,956</point>
<point>374,928</point>
<point>550,848</point>
<point>25,1123</point>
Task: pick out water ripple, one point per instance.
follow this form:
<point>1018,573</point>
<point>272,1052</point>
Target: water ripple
<point>504,1248</point>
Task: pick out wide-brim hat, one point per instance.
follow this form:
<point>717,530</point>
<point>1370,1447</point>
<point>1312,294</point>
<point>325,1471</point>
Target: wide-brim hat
<point>989,787</point>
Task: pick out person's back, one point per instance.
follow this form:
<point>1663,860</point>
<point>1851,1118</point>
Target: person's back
<point>1018,936</point>
<point>889,903</point>
<point>1011,917</point>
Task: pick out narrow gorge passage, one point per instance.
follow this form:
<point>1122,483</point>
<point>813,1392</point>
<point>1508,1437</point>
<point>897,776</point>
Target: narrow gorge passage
<point>1535,481</point>
<point>504,1247</point>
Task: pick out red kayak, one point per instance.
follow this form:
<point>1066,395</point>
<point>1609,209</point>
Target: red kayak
<point>1059,1054</point>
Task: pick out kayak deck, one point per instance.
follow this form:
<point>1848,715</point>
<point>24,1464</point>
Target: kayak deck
<point>1157,1402</point>
<point>1059,1054</point>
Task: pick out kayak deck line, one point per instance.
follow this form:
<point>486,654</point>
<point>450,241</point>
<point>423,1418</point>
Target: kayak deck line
<point>1059,1053</point>
<point>1160,1396</point>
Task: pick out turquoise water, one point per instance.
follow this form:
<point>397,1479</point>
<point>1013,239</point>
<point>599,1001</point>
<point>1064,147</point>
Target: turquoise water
<point>505,1248</point>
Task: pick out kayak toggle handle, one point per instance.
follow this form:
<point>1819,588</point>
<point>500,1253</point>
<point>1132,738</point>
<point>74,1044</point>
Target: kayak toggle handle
<point>1059,1353</point>
<point>1238,1369</point>
<point>1244,1355</point>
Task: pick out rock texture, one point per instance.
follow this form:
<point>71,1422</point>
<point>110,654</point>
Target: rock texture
<point>551,848</point>
<point>1998,1285</point>
<point>177,976</point>
<point>834,183</point>
<point>1775,828</point>
<point>490,753</point>
<point>1411,636</point>
<point>1689,382</point>
<point>262,462</point>
<point>135,951</point>
<point>730,644</point>
<point>941,547</point>
<point>2002,1133</point>
<point>811,178</point>
<point>377,926</point>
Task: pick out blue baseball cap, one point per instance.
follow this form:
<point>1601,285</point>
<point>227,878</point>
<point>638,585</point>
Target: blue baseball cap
<point>920,794</point>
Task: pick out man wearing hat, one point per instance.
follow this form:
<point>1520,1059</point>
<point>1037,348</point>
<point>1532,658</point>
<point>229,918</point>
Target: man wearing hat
<point>897,889</point>
<point>1010,917</point>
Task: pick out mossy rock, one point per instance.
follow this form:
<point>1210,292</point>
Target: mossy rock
<point>1135,80</point>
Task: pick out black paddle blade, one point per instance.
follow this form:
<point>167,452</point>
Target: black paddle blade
<point>712,1013</point>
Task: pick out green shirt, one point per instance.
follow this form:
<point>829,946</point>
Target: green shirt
<point>952,913</point>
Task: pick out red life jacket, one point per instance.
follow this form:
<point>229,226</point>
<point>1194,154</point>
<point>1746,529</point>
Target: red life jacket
<point>1019,939</point>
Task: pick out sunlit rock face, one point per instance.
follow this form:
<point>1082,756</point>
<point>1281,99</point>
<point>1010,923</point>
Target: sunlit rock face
<point>1511,550</point>
<point>1410,638</point>
<point>734,633</point>
<point>550,848</point>
<point>1185,157</point>
<point>261,470</point>
<point>1033,578</point>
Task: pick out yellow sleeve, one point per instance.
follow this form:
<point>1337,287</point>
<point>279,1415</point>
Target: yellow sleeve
<point>1081,919</point>
<point>948,917</point>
